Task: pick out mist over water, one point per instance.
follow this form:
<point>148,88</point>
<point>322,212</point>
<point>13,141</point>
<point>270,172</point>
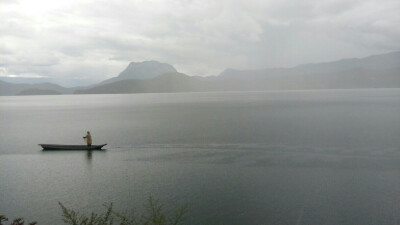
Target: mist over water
<point>295,157</point>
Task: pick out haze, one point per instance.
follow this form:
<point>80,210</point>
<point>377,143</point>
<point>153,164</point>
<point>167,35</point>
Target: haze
<point>82,42</point>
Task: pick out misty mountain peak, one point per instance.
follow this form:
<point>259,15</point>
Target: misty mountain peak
<point>229,72</point>
<point>146,70</point>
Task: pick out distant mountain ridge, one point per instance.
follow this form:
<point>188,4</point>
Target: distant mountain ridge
<point>289,80</point>
<point>35,91</point>
<point>7,88</point>
<point>373,62</point>
<point>377,71</point>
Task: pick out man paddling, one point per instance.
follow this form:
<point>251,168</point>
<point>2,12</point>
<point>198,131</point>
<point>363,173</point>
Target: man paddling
<point>88,138</point>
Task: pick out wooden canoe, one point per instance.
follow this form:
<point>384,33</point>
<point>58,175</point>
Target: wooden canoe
<point>71,147</point>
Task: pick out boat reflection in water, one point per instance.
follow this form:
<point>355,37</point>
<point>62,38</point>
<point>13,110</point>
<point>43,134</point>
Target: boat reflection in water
<point>89,155</point>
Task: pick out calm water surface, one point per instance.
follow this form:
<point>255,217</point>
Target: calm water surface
<point>297,157</point>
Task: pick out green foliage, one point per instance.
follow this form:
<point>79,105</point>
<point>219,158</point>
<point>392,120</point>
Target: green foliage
<point>18,221</point>
<point>2,219</point>
<point>154,214</point>
<point>73,218</point>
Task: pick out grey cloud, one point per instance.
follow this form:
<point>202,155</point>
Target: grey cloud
<point>198,37</point>
<point>25,58</point>
<point>16,25</point>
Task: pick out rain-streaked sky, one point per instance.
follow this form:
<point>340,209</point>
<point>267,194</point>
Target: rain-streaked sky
<point>95,40</point>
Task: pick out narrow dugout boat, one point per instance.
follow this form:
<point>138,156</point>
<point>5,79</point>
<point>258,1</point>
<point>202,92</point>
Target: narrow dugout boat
<point>71,147</point>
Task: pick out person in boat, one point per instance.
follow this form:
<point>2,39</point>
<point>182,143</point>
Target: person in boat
<point>88,138</point>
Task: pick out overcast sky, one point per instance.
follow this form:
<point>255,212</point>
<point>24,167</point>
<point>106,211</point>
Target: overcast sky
<point>94,40</point>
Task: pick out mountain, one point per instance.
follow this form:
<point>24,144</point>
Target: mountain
<point>142,70</point>
<point>290,80</point>
<point>374,62</point>
<point>36,91</point>
<point>7,88</point>
<point>378,71</point>
<point>169,82</point>
<point>371,63</point>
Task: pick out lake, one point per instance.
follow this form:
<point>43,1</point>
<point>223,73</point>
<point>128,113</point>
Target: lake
<point>283,157</point>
